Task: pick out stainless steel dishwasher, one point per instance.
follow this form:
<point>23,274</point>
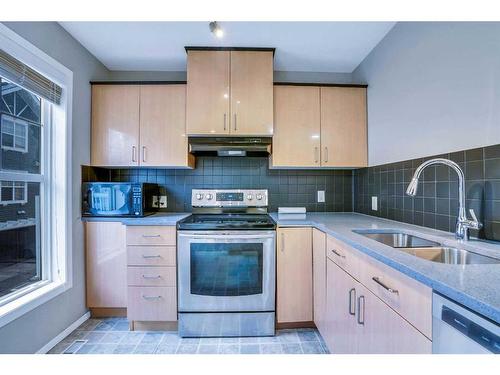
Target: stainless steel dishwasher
<point>457,330</point>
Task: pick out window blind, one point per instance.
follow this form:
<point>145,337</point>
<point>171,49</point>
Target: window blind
<point>22,75</point>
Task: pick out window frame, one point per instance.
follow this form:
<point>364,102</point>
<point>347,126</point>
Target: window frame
<point>4,202</point>
<point>17,121</point>
<point>55,183</point>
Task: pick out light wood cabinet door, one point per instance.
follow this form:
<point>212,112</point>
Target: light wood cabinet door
<point>296,140</point>
<point>251,93</point>
<point>208,102</point>
<point>106,265</point>
<point>343,127</point>
<point>115,125</point>
<point>163,140</point>
<point>294,275</point>
<point>382,331</point>
<point>340,330</point>
<point>319,278</point>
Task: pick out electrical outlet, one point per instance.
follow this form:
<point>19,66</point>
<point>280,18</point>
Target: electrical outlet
<point>374,204</point>
<point>156,201</point>
<point>163,201</point>
<point>321,196</point>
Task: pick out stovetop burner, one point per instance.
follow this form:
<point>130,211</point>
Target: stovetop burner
<point>226,222</point>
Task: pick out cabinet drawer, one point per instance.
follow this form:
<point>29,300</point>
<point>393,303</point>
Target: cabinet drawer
<point>411,299</point>
<point>151,235</point>
<point>343,255</point>
<point>151,255</point>
<point>151,276</point>
<point>152,303</point>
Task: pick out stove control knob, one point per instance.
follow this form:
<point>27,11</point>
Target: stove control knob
<point>249,197</point>
<point>199,196</point>
<point>209,196</point>
<point>259,197</point>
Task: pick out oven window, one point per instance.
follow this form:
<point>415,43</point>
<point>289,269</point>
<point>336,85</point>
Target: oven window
<point>226,269</point>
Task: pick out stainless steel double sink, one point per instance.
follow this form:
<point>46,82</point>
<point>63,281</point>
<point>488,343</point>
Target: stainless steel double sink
<point>426,249</point>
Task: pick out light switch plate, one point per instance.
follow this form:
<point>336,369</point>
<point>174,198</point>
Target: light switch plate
<point>374,204</point>
<point>321,196</point>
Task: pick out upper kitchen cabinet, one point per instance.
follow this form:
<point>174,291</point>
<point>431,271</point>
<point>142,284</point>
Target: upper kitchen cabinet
<point>230,92</point>
<point>251,93</point>
<point>115,125</point>
<point>296,140</point>
<point>139,125</point>
<point>208,92</point>
<point>343,127</point>
<point>319,126</point>
<point>163,127</point>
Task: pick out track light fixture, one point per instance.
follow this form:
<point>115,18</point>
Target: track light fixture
<point>216,29</point>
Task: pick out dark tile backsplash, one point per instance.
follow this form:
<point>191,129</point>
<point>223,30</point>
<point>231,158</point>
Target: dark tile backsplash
<point>286,187</point>
<point>436,203</point>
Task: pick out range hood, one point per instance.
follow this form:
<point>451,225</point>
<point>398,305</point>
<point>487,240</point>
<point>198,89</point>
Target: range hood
<point>230,146</point>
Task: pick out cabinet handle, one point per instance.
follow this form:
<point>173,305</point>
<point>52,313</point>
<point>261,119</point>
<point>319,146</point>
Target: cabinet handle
<point>316,158</point>
<point>151,235</point>
<point>361,310</point>
<point>389,289</point>
<point>282,242</point>
<point>150,256</point>
<point>326,154</point>
<point>235,127</point>
<point>352,307</point>
<point>151,277</point>
<point>151,297</point>
<point>225,121</point>
<point>338,254</point>
<point>144,153</point>
<point>134,154</point>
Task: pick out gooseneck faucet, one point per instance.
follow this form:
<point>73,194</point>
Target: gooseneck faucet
<point>463,224</point>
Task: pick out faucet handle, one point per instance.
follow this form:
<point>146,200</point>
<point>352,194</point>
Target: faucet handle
<point>473,214</point>
<point>474,223</point>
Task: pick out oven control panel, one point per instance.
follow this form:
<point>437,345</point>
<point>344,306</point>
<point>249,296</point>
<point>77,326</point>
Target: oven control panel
<point>229,198</point>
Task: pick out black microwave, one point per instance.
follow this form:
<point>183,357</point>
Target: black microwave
<point>118,199</point>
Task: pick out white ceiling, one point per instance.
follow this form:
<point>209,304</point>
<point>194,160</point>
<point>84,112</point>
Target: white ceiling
<point>300,46</point>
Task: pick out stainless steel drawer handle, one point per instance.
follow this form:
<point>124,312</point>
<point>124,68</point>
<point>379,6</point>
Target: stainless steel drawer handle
<point>377,280</point>
<point>338,254</point>
<point>134,153</point>
<point>150,256</point>
<point>151,297</point>
<point>361,310</point>
<point>225,121</point>
<point>151,277</point>
<point>352,306</point>
<point>144,153</point>
<point>282,242</point>
<point>235,119</point>
<point>151,235</point>
<point>326,154</point>
<point>316,157</point>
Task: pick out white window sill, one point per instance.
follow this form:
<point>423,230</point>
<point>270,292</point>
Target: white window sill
<point>25,303</point>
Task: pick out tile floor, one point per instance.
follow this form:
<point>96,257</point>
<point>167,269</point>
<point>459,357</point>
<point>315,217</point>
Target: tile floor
<point>111,336</point>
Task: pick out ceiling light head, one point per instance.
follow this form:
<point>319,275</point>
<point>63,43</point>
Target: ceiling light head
<point>216,29</point>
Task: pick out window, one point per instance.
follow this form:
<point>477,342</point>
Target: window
<point>12,192</point>
<point>35,177</point>
<point>14,134</point>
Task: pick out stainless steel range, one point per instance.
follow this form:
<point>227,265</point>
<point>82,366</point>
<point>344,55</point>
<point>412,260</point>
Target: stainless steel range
<point>226,265</point>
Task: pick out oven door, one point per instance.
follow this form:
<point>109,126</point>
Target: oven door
<point>226,271</point>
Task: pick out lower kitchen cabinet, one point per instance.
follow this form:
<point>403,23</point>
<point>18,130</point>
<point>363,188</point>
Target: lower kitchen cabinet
<point>319,277</point>
<point>357,321</point>
<point>106,265</point>
<point>294,275</point>
<point>383,331</point>
<point>151,274</point>
<point>340,330</point>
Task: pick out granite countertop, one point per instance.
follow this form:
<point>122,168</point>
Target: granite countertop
<point>474,286</point>
<point>160,218</point>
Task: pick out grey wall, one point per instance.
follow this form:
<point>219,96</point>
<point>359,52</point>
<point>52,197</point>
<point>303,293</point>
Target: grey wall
<point>433,88</point>
<point>279,76</point>
<point>30,332</point>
